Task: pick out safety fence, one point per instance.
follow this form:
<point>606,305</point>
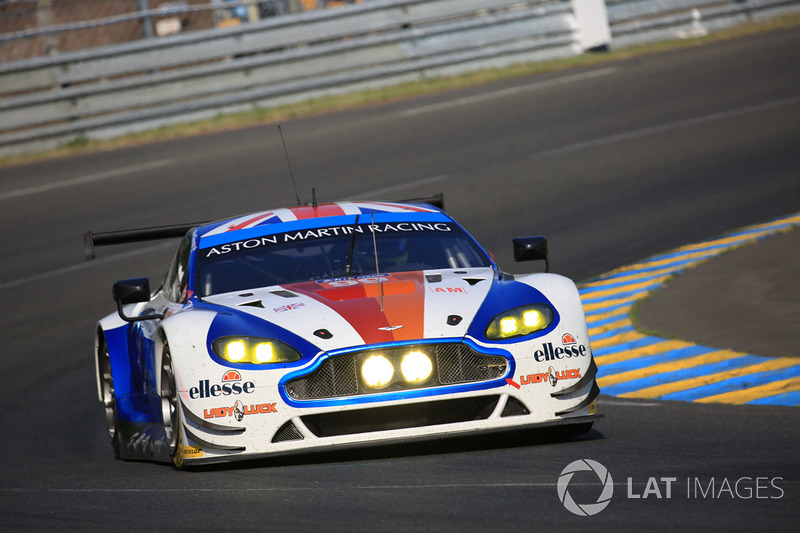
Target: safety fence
<point>287,52</point>
<point>31,28</point>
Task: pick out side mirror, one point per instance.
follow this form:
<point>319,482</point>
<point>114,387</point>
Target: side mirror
<point>131,291</point>
<point>531,249</point>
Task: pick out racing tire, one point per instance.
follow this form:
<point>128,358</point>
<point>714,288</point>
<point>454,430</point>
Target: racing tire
<point>169,409</point>
<point>109,398</point>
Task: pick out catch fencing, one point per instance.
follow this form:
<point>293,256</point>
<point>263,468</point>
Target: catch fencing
<point>284,51</point>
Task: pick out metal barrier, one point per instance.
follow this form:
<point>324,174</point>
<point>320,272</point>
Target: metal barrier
<point>108,91</point>
<point>642,21</point>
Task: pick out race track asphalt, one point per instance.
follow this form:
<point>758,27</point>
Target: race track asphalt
<point>746,300</point>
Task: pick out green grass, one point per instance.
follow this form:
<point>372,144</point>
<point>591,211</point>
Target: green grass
<point>386,94</point>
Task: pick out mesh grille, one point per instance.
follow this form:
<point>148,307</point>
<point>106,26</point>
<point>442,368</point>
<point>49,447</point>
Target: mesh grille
<point>514,407</point>
<point>287,432</point>
<point>461,364</point>
<point>337,376</point>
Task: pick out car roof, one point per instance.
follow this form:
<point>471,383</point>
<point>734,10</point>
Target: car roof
<point>313,216</point>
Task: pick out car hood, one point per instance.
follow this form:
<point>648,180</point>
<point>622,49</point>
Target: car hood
<point>340,313</point>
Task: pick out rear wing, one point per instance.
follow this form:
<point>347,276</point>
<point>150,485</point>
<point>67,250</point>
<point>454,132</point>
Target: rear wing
<point>90,239</point>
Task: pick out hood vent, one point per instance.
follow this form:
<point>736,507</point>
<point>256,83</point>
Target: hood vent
<point>284,294</point>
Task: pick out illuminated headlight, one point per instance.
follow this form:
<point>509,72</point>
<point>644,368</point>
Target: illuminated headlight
<point>254,350</point>
<point>416,367</point>
<point>377,371</point>
<point>519,321</point>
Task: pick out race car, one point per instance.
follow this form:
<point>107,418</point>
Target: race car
<point>323,326</point>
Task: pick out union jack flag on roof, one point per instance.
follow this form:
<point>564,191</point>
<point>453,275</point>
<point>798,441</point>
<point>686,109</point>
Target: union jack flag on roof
<point>323,210</point>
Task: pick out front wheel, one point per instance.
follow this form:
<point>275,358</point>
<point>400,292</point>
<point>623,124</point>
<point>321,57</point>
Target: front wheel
<point>109,399</point>
<point>169,408</point>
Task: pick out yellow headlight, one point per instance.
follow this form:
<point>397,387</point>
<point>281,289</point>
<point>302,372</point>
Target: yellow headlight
<point>377,371</point>
<point>520,321</point>
<point>254,350</point>
<point>416,367</point>
<point>235,351</point>
<point>264,352</point>
<point>508,326</point>
<point>533,318</point>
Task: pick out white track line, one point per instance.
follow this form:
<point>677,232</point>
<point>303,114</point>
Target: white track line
<point>467,100</point>
<point>83,266</point>
<point>668,126</point>
<point>113,173</point>
<point>400,187</point>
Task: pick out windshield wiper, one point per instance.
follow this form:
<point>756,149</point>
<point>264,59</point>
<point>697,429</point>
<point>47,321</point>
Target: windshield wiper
<point>377,267</point>
<point>349,263</point>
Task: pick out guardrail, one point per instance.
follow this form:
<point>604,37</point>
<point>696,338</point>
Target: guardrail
<point>108,91</point>
<point>642,21</point>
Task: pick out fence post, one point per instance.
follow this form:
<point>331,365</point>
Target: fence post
<point>594,33</point>
<point>147,25</point>
<point>44,18</point>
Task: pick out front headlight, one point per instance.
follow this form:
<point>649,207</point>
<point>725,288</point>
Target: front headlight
<point>519,321</point>
<point>379,369</point>
<point>254,350</point>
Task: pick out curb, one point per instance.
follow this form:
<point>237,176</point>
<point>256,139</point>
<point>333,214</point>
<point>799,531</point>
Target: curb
<point>635,365</point>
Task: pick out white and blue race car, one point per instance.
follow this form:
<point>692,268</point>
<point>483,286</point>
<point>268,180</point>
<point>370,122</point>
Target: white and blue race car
<point>324,326</point>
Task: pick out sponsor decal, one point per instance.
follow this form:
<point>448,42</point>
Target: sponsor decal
<point>389,328</point>
<point>289,307</point>
<point>552,376</point>
<point>569,348</point>
<point>191,452</point>
<point>326,233</point>
<point>239,409</point>
<point>186,295</point>
<point>232,375</point>
<point>349,282</point>
<point>448,290</point>
<point>231,384</point>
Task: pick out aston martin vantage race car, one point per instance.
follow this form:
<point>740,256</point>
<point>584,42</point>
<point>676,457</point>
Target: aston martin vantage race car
<point>324,326</point>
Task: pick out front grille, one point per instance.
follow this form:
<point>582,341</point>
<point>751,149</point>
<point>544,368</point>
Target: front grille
<point>459,363</point>
<point>335,377</point>
<point>453,363</point>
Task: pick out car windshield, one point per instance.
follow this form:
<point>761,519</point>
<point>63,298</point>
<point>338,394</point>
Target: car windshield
<point>333,252</point>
